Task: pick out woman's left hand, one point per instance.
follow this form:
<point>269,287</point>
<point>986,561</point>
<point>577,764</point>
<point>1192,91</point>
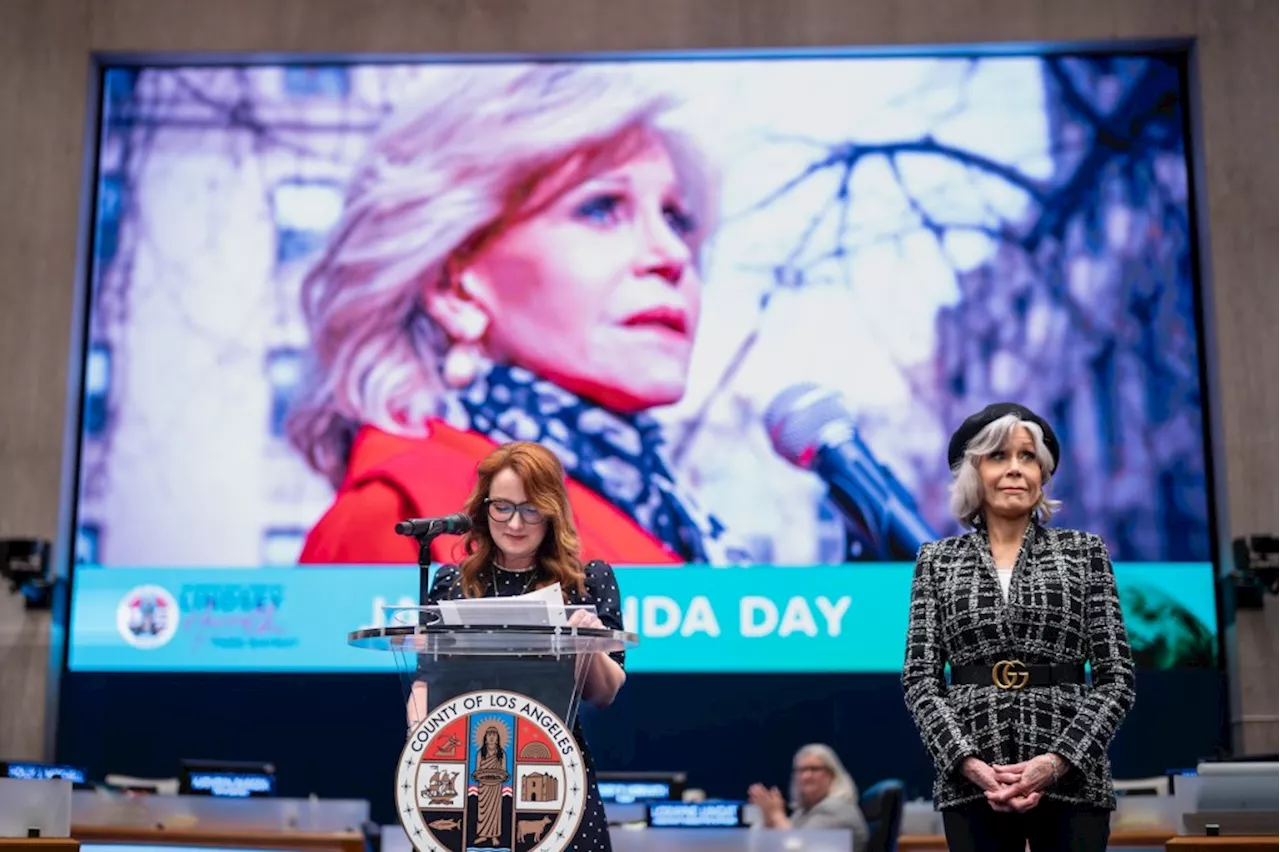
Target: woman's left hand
<point>1023,782</point>
<point>604,677</point>
<point>583,618</point>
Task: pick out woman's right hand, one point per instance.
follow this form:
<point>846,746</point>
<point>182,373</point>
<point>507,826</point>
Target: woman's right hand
<point>771,804</point>
<point>980,773</point>
<point>990,781</point>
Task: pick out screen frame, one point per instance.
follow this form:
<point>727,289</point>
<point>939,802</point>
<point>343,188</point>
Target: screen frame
<point>1182,51</point>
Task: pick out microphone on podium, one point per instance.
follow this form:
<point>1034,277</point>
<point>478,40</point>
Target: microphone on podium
<point>455,524</point>
<point>424,530</point>
<point>812,427</point>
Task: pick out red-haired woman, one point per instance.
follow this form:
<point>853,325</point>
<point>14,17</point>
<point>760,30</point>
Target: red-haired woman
<point>522,538</point>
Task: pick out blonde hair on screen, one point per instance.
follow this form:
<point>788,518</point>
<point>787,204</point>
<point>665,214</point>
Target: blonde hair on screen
<point>438,178</point>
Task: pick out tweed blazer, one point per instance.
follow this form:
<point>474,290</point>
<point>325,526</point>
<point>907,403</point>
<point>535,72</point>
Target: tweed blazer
<point>1062,608</point>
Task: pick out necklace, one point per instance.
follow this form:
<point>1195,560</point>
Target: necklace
<point>533,573</point>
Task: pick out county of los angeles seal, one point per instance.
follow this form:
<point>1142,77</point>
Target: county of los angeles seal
<point>491,770</point>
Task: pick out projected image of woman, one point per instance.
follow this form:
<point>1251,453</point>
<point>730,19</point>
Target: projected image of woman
<point>517,260</point>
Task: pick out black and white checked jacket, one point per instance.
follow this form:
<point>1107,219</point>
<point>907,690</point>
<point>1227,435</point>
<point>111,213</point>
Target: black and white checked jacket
<point>1062,608</point>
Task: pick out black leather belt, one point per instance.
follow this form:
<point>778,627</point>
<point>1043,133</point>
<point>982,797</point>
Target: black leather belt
<point>1015,674</point>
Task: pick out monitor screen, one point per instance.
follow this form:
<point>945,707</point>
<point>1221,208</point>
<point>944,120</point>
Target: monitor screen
<point>630,792</point>
<point>744,300</point>
<point>627,788</point>
<point>41,771</point>
<point>226,779</point>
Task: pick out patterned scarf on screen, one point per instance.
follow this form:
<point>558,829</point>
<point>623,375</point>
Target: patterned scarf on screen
<point>615,455</point>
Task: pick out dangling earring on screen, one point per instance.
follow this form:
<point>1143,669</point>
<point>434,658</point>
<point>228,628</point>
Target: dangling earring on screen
<point>465,358</point>
<point>462,364</point>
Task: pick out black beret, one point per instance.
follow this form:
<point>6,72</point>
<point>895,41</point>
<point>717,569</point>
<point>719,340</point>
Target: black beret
<point>975,423</point>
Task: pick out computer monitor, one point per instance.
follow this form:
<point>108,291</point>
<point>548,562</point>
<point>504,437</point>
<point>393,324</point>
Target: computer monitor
<point>226,778</point>
<point>627,788</point>
<point>30,770</point>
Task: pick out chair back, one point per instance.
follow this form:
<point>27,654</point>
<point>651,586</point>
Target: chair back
<point>882,806</point>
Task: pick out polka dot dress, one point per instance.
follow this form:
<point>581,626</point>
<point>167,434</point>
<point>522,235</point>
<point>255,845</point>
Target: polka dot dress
<point>602,591</point>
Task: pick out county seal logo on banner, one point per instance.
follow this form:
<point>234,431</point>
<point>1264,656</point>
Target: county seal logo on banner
<point>491,770</point>
<point>147,617</point>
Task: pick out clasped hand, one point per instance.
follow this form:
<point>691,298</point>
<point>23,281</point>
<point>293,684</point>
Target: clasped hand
<point>1014,788</point>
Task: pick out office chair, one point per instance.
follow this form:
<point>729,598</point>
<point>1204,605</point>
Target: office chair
<point>882,806</point>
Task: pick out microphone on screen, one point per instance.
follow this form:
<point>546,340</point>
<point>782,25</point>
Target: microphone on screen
<point>455,524</point>
<point>813,428</point>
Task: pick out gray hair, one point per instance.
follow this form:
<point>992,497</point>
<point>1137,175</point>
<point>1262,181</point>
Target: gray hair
<point>966,486</point>
<point>842,786</point>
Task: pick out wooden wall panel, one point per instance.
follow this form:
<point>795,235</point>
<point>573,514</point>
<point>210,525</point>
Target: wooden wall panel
<point>43,70</point>
<point>46,45</point>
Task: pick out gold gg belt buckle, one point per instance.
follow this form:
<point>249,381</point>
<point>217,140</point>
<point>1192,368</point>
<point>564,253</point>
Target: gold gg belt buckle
<point>1010,674</point>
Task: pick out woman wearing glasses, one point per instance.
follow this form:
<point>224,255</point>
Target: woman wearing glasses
<point>823,795</point>
<point>523,538</point>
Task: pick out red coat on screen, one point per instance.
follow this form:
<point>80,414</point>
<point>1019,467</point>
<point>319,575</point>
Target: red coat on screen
<point>390,478</point>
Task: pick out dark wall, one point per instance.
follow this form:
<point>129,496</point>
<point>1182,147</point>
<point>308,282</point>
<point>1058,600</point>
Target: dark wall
<point>339,736</point>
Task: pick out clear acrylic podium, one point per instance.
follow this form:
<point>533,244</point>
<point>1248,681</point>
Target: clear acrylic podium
<point>491,695</point>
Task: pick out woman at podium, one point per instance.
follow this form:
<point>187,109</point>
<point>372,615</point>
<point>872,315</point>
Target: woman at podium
<point>522,538</point>
<point>1018,734</point>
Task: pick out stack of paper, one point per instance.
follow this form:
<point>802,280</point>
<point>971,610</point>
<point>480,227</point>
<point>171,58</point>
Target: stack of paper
<point>541,608</point>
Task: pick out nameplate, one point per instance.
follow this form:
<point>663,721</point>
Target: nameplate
<point>695,815</point>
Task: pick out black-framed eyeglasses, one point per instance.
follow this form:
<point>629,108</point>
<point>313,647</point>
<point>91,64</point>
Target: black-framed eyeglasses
<point>503,510</point>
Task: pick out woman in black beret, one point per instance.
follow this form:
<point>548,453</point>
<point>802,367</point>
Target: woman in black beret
<point>1018,737</point>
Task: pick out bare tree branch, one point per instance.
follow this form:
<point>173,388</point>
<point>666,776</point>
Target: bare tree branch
<point>850,154</point>
<point>1056,202</point>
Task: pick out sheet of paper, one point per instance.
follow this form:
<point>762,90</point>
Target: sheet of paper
<point>541,608</point>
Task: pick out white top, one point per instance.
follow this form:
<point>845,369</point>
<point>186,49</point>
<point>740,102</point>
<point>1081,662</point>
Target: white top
<point>1006,577</point>
<point>836,813</point>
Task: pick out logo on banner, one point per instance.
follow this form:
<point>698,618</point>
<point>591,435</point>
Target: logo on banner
<point>147,617</point>
<point>491,769</point>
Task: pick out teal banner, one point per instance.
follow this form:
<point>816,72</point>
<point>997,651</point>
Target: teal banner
<point>842,618</point>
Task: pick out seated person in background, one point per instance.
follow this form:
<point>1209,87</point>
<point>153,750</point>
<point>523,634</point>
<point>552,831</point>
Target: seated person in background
<point>822,796</point>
